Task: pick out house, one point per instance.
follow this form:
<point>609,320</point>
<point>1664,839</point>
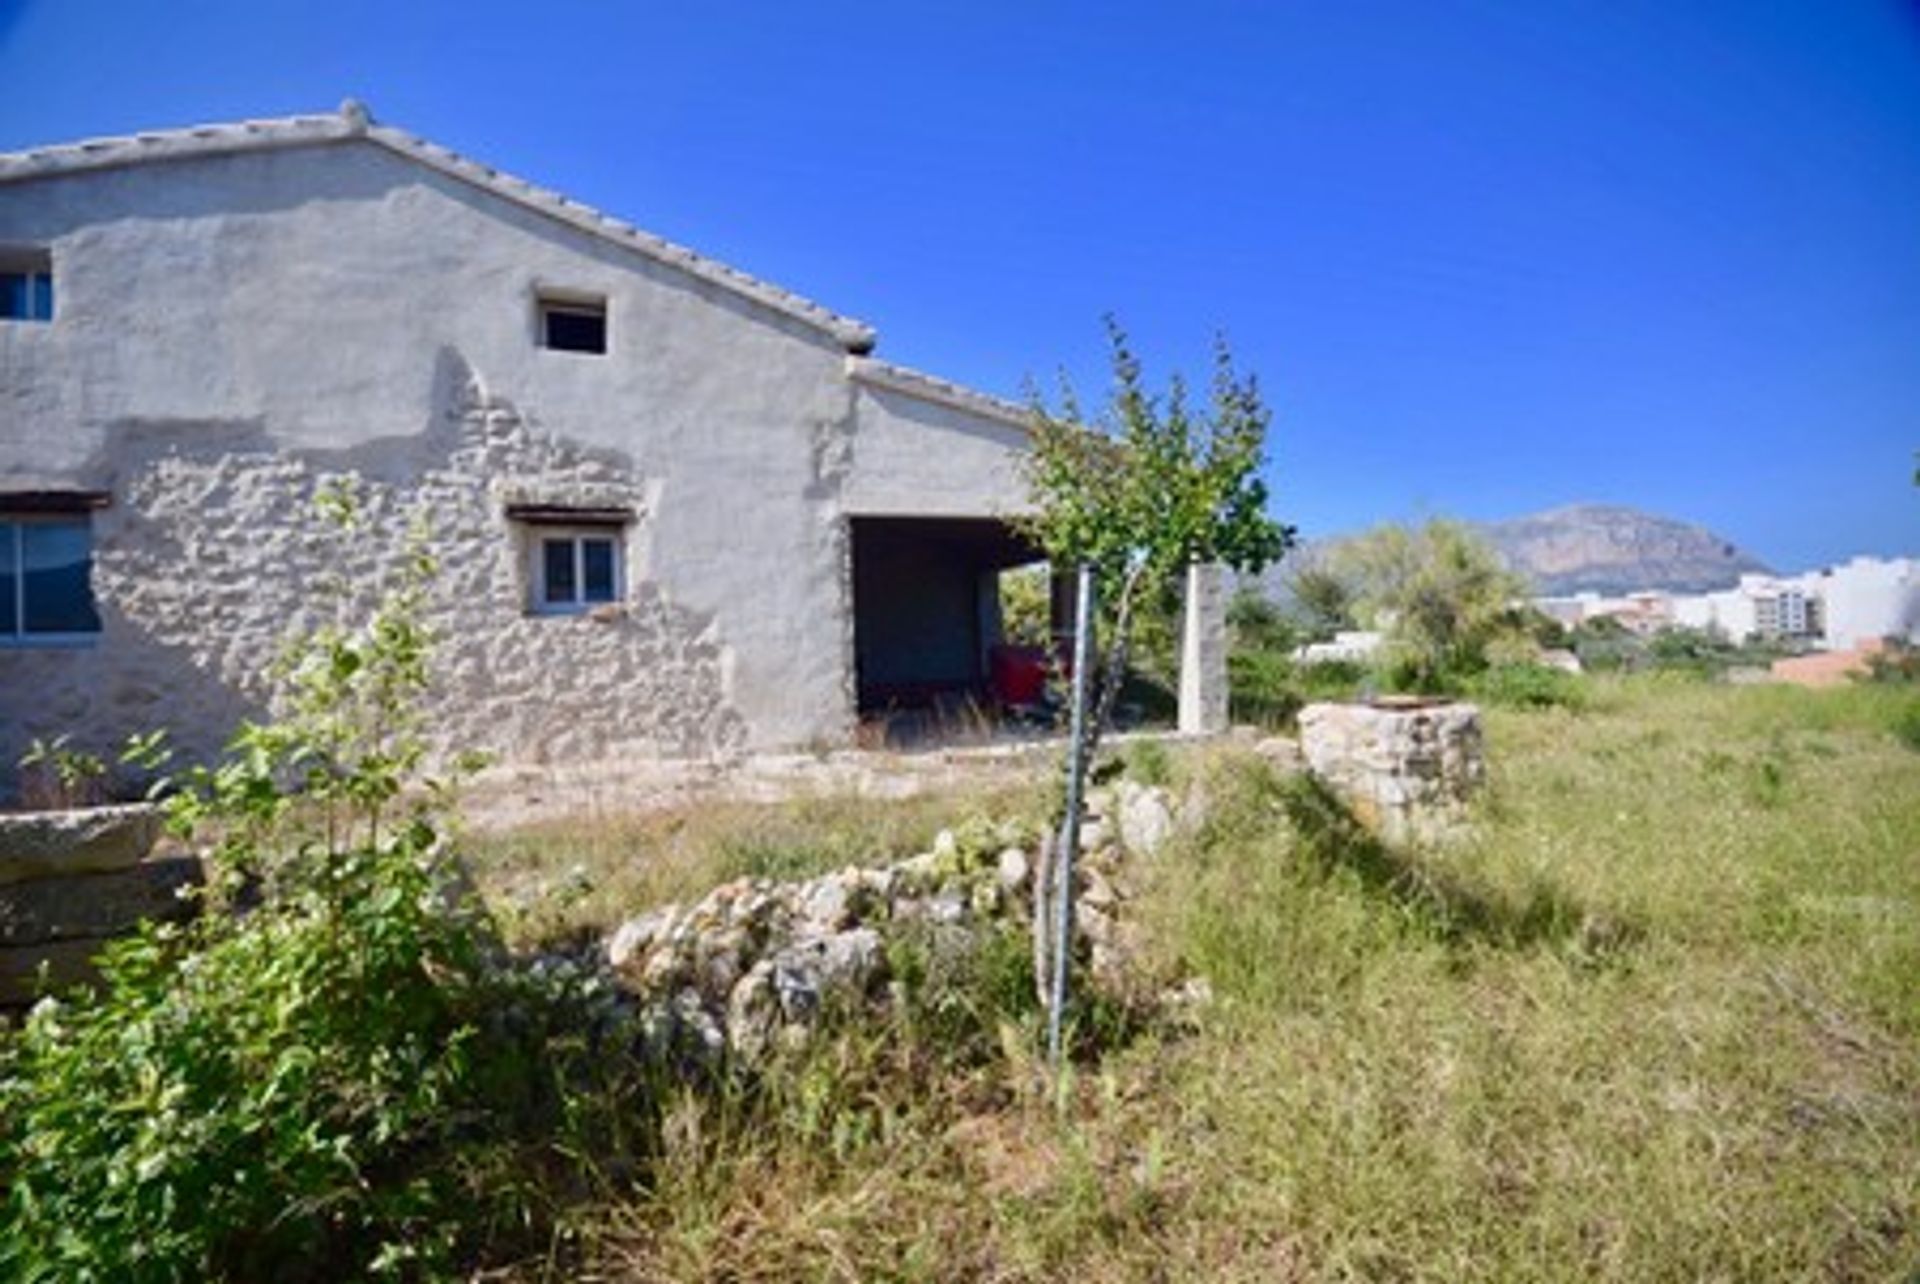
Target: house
<point>675,510</point>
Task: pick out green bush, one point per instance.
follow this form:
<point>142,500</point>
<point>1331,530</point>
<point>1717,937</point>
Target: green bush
<point>1527,686</point>
<point>327,1074</point>
<point>1898,664</point>
<point>1267,687</point>
<point>251,1099</point>
<point>1262,688</point>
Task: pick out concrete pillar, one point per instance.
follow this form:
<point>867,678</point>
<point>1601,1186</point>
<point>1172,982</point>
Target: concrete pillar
<point>1203,653</point>
<point>1062,605</point>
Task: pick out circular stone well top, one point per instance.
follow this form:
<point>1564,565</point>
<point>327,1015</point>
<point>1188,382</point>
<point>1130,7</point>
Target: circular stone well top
<point>1407,702</point>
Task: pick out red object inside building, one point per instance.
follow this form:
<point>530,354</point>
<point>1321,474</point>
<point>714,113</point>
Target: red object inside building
<point>1017,674</point>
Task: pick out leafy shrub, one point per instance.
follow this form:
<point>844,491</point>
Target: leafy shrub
<point>302,1083</point>
<point>244,1097</point>
<point>1440,594</point>
<point>1256,624</point>
<point>1262,688</point>
<point>1897,664</point>
<point>56,774</point>
<point>1148,762</point>
<point>1527,686</point>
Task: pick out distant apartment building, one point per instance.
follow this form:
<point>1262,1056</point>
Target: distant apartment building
<point>1835,608</point>
<point>1759,606</point>
<point>1866,599</point>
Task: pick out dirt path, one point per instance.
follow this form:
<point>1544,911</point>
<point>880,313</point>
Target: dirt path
<point>509,797</point>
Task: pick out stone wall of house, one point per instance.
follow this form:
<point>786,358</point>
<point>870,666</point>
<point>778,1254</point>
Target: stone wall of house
<point>211,558</point>
<point>1407,770</point>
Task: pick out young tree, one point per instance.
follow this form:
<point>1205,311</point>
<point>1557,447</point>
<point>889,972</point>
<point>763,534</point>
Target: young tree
<point>1439,592</point>
<point>1149,486</point>
<point>1323,600</point>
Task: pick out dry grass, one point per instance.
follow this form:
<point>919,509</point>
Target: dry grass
<point>563,878</point>
<point>1660,1020</point>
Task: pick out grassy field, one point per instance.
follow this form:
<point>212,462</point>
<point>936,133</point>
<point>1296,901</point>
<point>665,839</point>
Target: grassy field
<point>1659,1019</point>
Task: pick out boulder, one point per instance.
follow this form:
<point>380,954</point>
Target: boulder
<point>1282,753</point>
<point>1145,813</point>
<point>45,844</point>
<point>1014,870</point>
<point>95,905</point>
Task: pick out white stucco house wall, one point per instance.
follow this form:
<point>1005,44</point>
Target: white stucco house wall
<point>675,510</point>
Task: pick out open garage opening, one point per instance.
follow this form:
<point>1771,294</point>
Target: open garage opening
<point>928,616</point>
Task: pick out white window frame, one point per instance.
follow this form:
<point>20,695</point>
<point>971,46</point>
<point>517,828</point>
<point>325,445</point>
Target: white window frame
<point>539,535</point>
<point>13,550</point>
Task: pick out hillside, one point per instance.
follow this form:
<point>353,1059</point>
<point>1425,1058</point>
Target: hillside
<point>1610,549</point>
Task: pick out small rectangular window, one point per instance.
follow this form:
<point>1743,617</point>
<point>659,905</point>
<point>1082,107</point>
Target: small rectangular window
<point>573,323</point>
<point>576,570</point>
<point>26,285</point>
<point>46,574</point>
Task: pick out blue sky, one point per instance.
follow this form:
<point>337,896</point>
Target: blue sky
<point>1486,258</point>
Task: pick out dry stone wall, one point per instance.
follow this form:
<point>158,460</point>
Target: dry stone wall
<point>752,966</point>
<point>213,554</point>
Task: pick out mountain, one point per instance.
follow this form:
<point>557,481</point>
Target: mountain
<point>1607,548</point>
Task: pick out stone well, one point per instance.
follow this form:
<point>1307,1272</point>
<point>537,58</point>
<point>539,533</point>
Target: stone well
<point>1406,766</point>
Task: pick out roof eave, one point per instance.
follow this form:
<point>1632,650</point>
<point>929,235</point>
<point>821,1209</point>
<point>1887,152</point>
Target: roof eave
<point>925,387</point>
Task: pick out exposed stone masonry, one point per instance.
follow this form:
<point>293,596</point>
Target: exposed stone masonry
<point>72,880</point>
<point>216,557</point>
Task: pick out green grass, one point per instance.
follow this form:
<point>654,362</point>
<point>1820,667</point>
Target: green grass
<point>1658,1020</point>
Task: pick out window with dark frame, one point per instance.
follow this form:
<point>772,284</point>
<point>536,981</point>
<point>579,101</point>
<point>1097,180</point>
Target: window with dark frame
<point>573,323</point>
<point>26,285</point>
<point>576,570</point>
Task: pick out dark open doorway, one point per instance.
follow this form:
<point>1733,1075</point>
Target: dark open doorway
<point>926,607</point>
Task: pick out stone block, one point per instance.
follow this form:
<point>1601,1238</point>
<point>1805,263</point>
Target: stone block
<point>45,844</point>
<point>94,905</point>
<point>1146,818</point>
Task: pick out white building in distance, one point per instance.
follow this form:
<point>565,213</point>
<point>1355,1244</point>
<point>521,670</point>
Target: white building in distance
<point>1835,608</point>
